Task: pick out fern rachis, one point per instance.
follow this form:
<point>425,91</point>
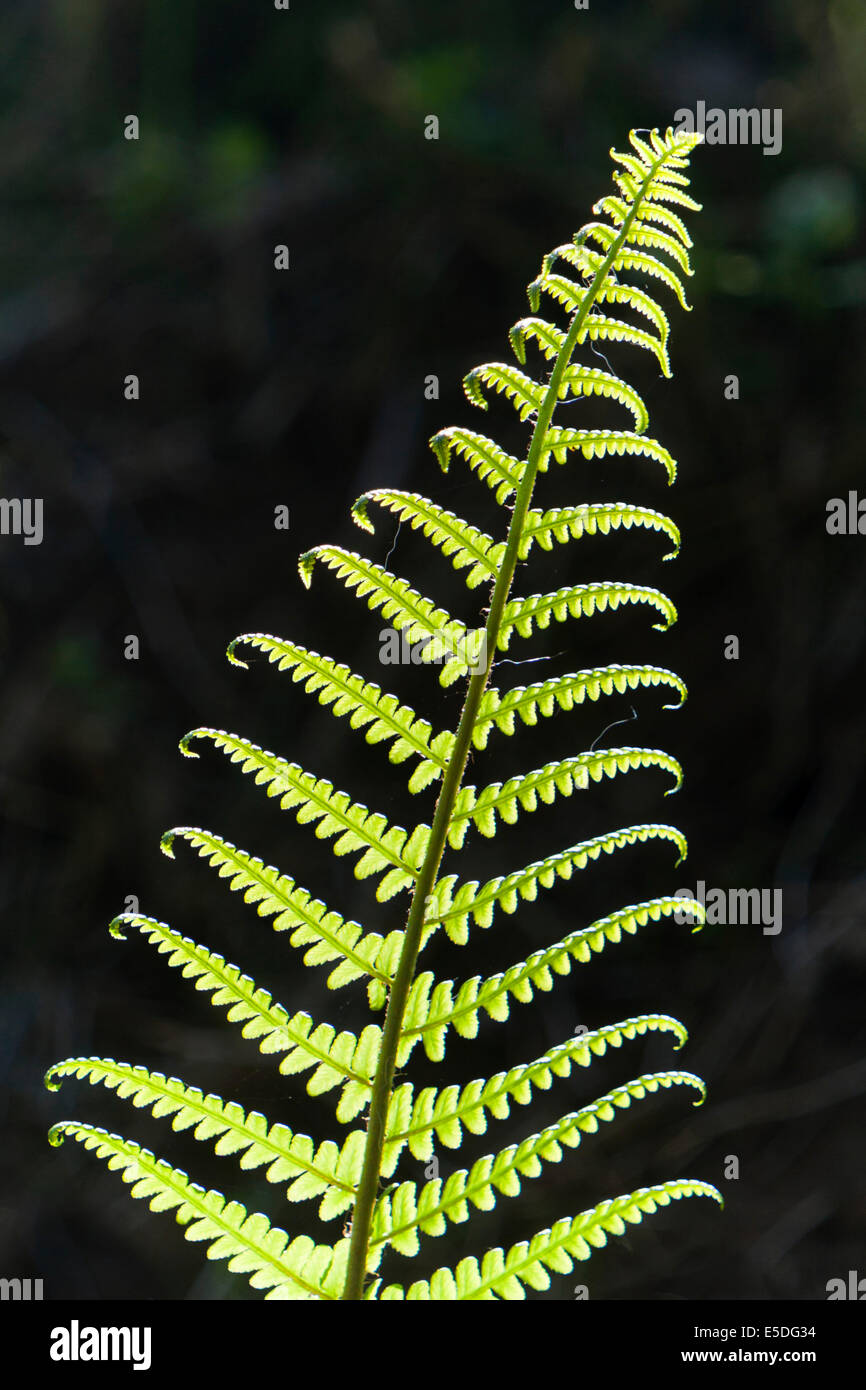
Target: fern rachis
<point>348,1178</point>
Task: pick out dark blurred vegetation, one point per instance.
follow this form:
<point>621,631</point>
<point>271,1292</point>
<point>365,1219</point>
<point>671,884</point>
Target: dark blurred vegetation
<point>409,257</point>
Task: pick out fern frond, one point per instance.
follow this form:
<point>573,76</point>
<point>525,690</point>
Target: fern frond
<point>592,381</point>
<point>404,1215</point>
<point>599,326</point>
<point>639,233</point>
<point>386,849</point>
<point>548,337</point>
<point>655,211</point>
<point>639,168</point>
<point>567,523</point>
<point>338,1059</point>
<point>326,1170</point>
<point>506,799</point>
<point>660,191</point>
<point>578,601</point>
<point>617,210</point>
<point>603,235</point>
<point>642,235</point>
<point>367,705</point>
<point>588,262</point>
<point>463,543</point>
<point>444,1113</point>
<point>452,910</point>
<point>326,934</point>
<point>432,1008</point>
<point>499,470</point>
<point>507,1274</point>
<point>563,693</point>
<point>524,394</point>
<point>669,186</point>
<point>662,181</point>
<point>566,292</point>
<point>291,1269</point>
<point>598,443</point>
<point>642,303</point>
<point>648,265</point>
<point>408,610</point>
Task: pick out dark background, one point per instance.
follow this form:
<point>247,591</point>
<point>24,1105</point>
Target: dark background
<point>303,388</point>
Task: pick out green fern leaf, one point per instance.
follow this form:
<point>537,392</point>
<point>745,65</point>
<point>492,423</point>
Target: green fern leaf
<point>503,1274</point>
<point>525,394</point>
<point>443,1113</point>
<point>295,1269</point>
<point>642,303</point>
<point>324,932</point>
<point>618,211</point>
<point>328,1171</point>
<point>650,265</point>
<point>592,381</point>
<point>548,337</point>
<point>433,1008</point>
<point>570,523</point>
<point>409,611</point>
<point>407,1214</point>
<point>571,295</point>
<point>452,909</point>
<point>644,235</point>
<point>385,848</point>
<point>563,693</point>
<point>641,236</point>
<point>497,469</point>
<point>381,716</point>
<point>580,601</point>
<point>337,1058</point>
<point>567,293</point>
<point>599,443</point>
<point>507,799</point>
<point>464,544</point>
<point>599,326</point>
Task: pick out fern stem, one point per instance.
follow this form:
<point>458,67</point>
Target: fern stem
<point>383,1082</point>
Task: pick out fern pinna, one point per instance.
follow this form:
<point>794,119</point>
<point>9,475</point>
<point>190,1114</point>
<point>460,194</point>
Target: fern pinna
<point>357,1181</point>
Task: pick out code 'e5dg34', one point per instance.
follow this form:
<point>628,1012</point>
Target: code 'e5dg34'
<point>358,1182</point>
